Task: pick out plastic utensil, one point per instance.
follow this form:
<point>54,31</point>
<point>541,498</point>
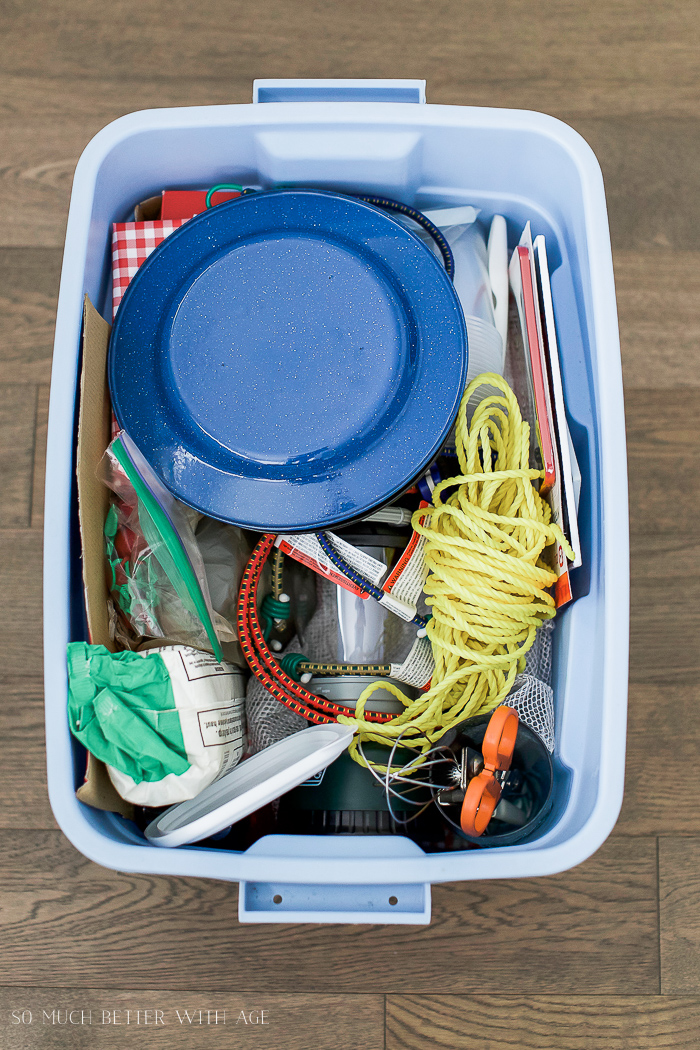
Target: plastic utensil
<point>498,274</point>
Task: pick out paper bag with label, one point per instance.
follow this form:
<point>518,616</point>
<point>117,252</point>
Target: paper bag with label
<point>167,722</point>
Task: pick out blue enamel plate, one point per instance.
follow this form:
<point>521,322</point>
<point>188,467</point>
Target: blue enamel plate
<point>289,360</point>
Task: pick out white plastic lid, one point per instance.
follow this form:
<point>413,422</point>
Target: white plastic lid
<point>251,785</point>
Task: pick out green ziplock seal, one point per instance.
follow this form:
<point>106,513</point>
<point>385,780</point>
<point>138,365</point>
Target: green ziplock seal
<point>185,581</point>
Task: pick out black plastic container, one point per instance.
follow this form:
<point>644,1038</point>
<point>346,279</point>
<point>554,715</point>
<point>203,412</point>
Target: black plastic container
<point>532,776</point>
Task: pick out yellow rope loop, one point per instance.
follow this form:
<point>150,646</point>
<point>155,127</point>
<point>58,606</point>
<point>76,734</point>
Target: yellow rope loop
<point>487,584</point>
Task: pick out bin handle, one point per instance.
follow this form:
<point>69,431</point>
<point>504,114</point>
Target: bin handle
<point>339,91</point>
<point>330,901</point>
<point>290,902</point>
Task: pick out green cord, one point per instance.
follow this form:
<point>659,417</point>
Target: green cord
<point>221,186</point>
<point>275,609</point>
<point>272,610</point>
<point>290,665</point>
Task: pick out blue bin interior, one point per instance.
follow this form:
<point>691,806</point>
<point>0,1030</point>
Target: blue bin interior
<point>520,173</point>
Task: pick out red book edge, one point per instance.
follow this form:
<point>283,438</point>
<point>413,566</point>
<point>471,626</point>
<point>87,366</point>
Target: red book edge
<point>544,425</point>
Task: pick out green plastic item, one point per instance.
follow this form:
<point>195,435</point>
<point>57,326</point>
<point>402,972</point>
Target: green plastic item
<point>347,786</point>
<point>121,708</point>
<point>163,538</point>
<point>138,573</point>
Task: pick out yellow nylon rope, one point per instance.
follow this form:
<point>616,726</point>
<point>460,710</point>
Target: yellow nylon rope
<point>487,582</point>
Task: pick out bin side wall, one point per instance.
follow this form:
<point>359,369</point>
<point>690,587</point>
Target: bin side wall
<point>522,165</point>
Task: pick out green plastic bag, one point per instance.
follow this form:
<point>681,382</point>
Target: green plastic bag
<point>171,584</point>
<point>166,722</point>
<point>121,707</point>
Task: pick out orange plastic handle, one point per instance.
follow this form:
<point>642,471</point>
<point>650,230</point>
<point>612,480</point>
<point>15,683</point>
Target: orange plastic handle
<point>480,800</point>
<point>484,791</point>
<point>499,739</point>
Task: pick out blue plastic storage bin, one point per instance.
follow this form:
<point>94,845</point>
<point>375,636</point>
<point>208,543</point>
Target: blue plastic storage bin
<point>378,137</point>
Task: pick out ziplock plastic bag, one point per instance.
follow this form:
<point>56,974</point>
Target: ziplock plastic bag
<point>156,572</point>
<point>225,550</point>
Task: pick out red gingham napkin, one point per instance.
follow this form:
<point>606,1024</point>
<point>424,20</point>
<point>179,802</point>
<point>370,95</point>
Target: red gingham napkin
<point>132,243</point>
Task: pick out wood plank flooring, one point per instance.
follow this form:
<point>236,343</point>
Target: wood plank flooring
<point>607,955</point>
<point>590,930</point>
<point>65,1018</point>
<point>542,1022</point>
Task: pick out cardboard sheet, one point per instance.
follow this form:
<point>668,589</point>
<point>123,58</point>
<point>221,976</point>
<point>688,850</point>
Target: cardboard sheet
<point>94,424</point>
<point>94,433</point>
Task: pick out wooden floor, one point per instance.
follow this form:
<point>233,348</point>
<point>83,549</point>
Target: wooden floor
<point>604,956</point>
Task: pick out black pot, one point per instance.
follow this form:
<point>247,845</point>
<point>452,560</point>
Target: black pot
<point>531,781</point>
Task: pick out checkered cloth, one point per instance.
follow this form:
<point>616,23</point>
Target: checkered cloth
<point>132,243</point>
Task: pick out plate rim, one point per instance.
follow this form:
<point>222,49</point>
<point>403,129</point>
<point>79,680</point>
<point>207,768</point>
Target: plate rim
<point>300,523</point>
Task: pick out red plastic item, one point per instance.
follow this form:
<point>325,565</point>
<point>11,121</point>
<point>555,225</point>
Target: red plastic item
<point>184,204</point>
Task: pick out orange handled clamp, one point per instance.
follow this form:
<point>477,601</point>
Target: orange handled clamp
<point>484,790</point>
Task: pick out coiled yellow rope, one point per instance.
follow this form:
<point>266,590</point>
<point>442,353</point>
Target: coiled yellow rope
<point>487,582</point>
